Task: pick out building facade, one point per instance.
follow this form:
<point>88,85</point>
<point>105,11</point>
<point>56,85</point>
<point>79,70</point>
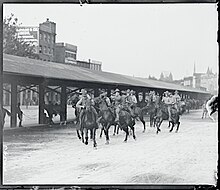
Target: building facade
<point>65,53</point>
<point>43,37</point>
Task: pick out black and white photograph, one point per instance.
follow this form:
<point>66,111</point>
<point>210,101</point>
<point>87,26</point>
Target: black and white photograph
<point>114,94</point>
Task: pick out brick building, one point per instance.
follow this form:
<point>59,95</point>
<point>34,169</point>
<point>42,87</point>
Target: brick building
<point>43,37</point>
<point>65,53</point>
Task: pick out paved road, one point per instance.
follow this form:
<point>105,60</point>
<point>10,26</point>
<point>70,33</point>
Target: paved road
<point>54,155</point>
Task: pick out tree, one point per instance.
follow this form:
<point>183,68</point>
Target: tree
<point>161,76</point>
<point>170,77</point>
<point>12,43</point>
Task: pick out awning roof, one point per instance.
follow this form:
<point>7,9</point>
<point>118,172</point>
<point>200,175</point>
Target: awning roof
<point>37,68</point>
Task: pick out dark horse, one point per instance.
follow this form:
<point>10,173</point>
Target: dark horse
<point>139,113</point>
<point>88,123</point>
<point>107,117</point>
<point>162,114</point>
<point>126,121</point>
<point>151,110</point>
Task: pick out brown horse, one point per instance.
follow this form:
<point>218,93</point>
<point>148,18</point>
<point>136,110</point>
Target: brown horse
<point>139,113</point>
<point>88,122</point>
<point>126,122</point>
<point>162,114</point>
<point>107,117</point>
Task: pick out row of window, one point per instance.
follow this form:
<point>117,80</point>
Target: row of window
<point>70,55</point>
<point>46,50</point>
<point>47,37</point>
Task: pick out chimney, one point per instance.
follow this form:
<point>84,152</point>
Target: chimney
<point>47,19</point>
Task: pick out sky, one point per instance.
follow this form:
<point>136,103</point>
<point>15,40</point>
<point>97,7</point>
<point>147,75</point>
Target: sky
<point>138,39</point>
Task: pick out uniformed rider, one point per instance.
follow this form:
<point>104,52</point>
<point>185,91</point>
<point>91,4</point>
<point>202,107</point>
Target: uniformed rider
<point>82,105</point>
<point>104,97</point>
<point>132,102</point>
<point>176,100</point>
<point>167,99</point>
<point>116,97</point>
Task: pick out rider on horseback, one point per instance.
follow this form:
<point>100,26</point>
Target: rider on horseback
<point>117,101</point>
<point>104,97</point>
<point>176,100</point>
<point>167,99</point>
<point>132,102</point>
<point>82,104</point>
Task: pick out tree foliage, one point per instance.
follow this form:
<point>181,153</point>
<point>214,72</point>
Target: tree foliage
<point>12,43</point>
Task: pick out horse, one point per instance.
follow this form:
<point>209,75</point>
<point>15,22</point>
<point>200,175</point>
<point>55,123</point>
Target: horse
<point>88,122</point>
<point>162,114</point>
<point>4,112</point>
<point>212,106</point>
<point>126,121</point>
<point>151,110</point>
<point>139,113</point>
<point>107,117</point>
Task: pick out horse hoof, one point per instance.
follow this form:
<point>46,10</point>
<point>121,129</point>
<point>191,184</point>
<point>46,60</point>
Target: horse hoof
<point>113,134</point>
<point>125,141</point>
<point>176,131</point>
<point>170,131</point>
<point>86,143</point>
<point>143,131</point>
<point>107,142</point>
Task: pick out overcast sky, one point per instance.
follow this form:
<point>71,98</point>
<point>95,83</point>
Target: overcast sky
<point>133,39</point>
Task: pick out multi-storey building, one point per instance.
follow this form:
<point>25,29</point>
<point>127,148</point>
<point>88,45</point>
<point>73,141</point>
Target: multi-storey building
<point>65,53</point>
<point>43,37</point>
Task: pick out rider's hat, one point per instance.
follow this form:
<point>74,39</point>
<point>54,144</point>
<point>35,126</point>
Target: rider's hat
<point>124,92</point>
<point>166,92</point>
<point>128,91</point>
<point>132,91</point>
<point>116,90</point>
<point>83,91</point>
<point>176,91</point>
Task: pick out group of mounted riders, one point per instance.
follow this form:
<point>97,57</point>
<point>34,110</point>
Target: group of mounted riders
<point>121,109</point>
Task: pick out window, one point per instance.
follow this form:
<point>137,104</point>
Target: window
<point>40,49</point>
<point>52,50</point>
<point>45,49</point>
<point>40,36</point>
<point>45,37</point>
<point>48,38</point>
<point>49,50</point>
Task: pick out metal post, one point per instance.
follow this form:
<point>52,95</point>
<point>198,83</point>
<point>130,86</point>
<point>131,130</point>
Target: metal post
<point>63,102</point>
<point>41,104</point>
<point>13,105</point>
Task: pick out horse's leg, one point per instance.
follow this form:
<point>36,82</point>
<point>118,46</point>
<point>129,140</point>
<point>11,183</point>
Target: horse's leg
<point>178,124</point>
<point>125,129</point>
<point>117,129</point>
<point>114,130</point>
<point>107,133</point>
<point>158,125</point>
<point>77,131</point>
<point>169,125</point>
<point>151,120</point>
<point>86,136</point>
<point>102,129</point>
<point>93,135</point>
<point>172,126</point>
<point>82,135</point>
<point>132,128</point>
<point>142,120</point>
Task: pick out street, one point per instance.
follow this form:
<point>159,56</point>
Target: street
<point>54,155</point>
